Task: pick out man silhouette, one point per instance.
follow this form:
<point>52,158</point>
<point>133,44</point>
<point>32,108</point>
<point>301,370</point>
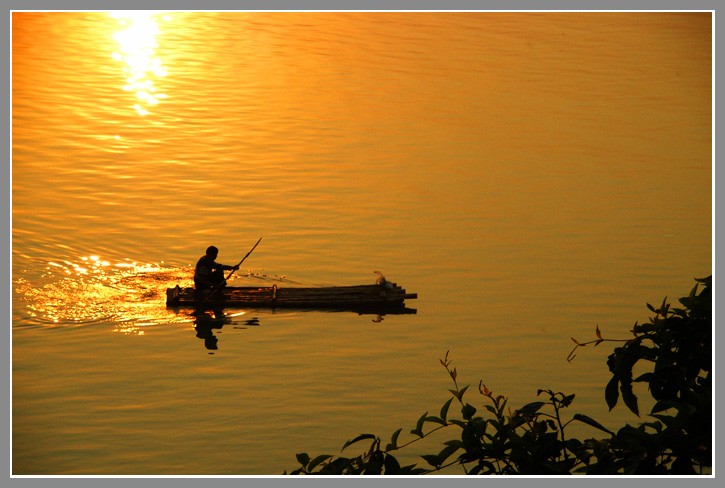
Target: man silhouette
<point>209,274</point>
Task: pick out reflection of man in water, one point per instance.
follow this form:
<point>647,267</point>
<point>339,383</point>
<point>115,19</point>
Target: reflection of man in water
<point>210,340</point>
<point>208,273</point>
<point>205,325</point>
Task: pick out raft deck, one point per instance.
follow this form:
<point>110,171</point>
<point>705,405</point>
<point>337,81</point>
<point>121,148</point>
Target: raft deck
<point>383,297</point>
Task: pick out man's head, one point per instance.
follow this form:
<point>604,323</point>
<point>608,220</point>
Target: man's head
<point>212,252</point>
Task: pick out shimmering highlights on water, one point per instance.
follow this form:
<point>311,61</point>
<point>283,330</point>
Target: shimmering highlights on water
<point>137,49</point>
<point>92,290</point>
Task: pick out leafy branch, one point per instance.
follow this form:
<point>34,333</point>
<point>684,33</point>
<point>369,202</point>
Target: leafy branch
<point>596,342</point>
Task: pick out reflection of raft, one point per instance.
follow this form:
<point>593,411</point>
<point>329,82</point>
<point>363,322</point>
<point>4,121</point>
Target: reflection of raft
<point>385,298</point>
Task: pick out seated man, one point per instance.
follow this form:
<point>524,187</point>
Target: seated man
<point>209,274</point>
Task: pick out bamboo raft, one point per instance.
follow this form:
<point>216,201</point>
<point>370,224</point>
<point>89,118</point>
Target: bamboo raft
<point>383,297</point>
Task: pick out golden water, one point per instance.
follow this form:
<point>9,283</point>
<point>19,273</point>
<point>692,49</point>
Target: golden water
<point>529,175</point>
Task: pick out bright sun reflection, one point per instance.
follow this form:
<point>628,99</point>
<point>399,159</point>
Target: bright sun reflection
<point>92,289</point>
<point>137,49</point>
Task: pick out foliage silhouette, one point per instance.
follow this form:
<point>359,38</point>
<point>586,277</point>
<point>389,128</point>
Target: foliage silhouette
<point>532,440</point>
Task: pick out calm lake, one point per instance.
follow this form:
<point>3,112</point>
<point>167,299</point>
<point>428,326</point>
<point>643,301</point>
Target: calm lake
<point>531,176</point>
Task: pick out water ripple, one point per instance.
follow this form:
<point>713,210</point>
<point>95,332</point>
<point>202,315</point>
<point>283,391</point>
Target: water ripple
<point>92,290</point>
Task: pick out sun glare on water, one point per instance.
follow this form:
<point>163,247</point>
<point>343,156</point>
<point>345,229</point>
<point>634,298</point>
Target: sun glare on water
<point>94,290</point>
<point>137,50</point>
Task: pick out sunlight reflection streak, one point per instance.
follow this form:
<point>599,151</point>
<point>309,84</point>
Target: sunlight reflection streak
<point>137,49</point>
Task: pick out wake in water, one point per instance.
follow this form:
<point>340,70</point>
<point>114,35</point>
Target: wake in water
<point>93,290</point>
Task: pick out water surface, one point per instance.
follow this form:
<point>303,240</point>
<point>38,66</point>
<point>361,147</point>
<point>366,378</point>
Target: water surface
<point>529,175</point>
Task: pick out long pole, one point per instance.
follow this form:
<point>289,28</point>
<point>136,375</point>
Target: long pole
<point>228,276</point>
